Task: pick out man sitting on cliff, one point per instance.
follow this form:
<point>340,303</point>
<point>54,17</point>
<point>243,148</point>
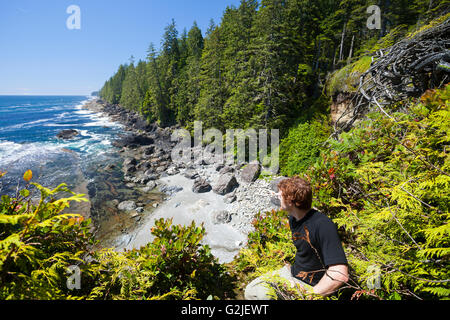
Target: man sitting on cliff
<point>320,263</point>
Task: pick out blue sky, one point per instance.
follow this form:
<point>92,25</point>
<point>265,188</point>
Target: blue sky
<point>39,55</point>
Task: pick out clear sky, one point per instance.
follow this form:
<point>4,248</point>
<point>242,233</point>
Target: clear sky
<point>39,55</point>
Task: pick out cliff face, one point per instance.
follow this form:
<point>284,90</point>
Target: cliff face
<point>342,86</point>
<point>342,109</point>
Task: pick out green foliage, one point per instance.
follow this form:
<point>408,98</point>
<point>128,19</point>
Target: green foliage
<point>174,266</point>
<point>386,184</point>
<point>347,78</point>
<point>38,242</point>
<point>264,64</point>
<point>432,23</point>
<point>269,246</point>
<point>301,148</point>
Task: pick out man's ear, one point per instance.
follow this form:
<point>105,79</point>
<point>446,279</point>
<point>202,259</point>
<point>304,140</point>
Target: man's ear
<point>290,203</point>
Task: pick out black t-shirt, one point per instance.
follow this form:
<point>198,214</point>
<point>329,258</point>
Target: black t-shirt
<point>323,237</point>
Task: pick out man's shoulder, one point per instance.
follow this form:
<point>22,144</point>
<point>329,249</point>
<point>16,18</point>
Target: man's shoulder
<point>320,218</point>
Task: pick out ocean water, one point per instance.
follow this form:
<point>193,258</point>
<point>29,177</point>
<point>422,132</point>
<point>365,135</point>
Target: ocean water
<point>28,129</point>
<point>88,163</point>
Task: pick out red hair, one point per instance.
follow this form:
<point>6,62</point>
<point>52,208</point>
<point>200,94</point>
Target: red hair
<point>298,191</point>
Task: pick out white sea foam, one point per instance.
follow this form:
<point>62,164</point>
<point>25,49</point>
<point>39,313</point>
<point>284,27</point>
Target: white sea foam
<point>84,112</point>
<point>87,142</point>
<point>102,121</point>
<point>60,125</point>
<point>64,115</point>
<point>84,133</point>
<point>36,122</point>
<point>98,119</point>
<point>11,153</point>
<point>25,125</point>
<point>81,105</point>
<point>8,146</point>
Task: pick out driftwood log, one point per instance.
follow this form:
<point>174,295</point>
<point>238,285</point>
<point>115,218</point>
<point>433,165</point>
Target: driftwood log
<point>406,69</point>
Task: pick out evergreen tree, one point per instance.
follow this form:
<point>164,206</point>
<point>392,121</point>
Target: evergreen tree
<point>212,92</point>
<point>264,65</point>
<point>188,82</point>
<point>155,100</point>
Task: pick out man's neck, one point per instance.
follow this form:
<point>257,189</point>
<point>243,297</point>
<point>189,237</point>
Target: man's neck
<point>298,214</point>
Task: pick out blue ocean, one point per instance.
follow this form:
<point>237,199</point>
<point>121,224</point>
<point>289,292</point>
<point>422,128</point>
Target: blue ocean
<point>88,163</point>
<point>28,129</point>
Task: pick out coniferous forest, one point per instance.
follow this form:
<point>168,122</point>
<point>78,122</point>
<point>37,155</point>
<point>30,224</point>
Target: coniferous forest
<point>262,66</point>
<point>381,171</point>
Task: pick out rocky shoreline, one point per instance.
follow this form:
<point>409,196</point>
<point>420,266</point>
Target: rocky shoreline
<point>224,198</point>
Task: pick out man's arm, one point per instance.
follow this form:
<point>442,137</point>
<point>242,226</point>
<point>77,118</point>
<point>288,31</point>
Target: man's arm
<point>334,277</point>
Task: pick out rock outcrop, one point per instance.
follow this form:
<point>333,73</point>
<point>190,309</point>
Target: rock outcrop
<point>251,172</point>
<point>67,134</point>
<point>225,184</point>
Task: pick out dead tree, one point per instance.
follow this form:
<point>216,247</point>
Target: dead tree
<point>406,69</point>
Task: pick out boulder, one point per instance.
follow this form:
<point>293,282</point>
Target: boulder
<point>127,205</point>
<point>191,174</point>
<point>172,171</point>
<point>251,172</point>
<point>144,166</point>
<point>201,186</point>
<point>170,190</point>
<point>148,151</point>
<point>225,184</point>
<point>140,210</point>
<point>160,169</point>
<point>149,172</point>
<point>129,168</point>
<point>155,161</point>
<point>140,177</point>
<point>129,165</point>
<point>275,201</point>
<point>230,198</point>
<point>129,161</point>
<point>151,176</point>
<point>164,163</point>
<point>226,169</point>
<point>151,185</point>
<point>274,183</point>
<point>67,134</point>
<point>221,216</point>
<point>132,141</point>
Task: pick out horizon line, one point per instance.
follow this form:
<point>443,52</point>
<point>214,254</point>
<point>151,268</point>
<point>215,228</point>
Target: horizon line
<point>46,95</point>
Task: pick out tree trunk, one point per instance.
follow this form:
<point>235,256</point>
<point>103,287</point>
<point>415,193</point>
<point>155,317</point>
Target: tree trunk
<point>341,56</point>
<point>351,49</point>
